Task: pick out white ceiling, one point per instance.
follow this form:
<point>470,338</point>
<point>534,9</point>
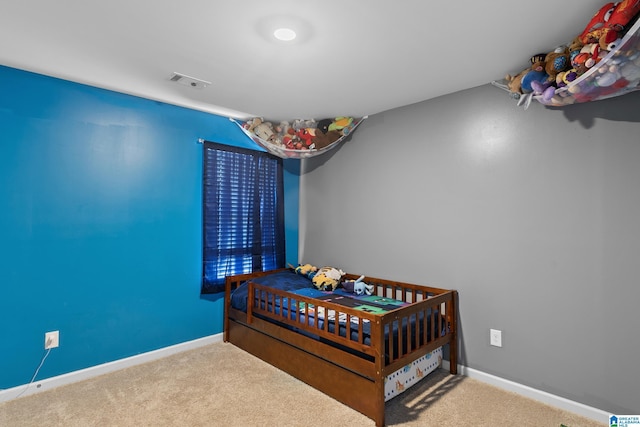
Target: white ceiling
<point>351,58</point>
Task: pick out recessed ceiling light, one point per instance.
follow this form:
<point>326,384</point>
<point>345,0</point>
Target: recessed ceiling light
<point>284,34</point>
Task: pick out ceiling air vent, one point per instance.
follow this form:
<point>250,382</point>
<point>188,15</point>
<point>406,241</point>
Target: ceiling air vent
<point>189,81</point>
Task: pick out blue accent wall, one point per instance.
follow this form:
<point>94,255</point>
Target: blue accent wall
<point>101,224</point>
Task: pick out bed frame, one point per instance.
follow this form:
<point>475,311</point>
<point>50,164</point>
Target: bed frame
<point>351,371</point>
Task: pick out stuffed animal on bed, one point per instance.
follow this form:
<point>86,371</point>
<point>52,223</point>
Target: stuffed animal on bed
<point>306,270</point>
<point>327,278</point>
<point>358,287</point>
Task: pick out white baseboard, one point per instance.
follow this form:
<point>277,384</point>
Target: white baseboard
<point>105,368</point>
<point>532,393</point>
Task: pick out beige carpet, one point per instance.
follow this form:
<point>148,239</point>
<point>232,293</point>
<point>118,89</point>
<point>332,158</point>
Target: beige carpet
<point>221,385</point>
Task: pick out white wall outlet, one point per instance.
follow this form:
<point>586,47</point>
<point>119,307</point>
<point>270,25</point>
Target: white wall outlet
<point>495,337</point>
<point>51,339</point>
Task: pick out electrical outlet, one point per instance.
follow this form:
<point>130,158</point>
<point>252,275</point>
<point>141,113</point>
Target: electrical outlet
<point>495,337</point>
<point>51,339</point>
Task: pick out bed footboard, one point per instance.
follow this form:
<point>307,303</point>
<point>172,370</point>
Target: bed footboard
<point>422,327</point>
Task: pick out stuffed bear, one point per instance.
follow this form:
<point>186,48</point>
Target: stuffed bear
<point>358,287</point>
<point>556,62</point>
<point>327,278</point>
<point>325,137</point>
<point>322,139</point>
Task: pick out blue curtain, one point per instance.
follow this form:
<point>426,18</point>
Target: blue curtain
<point>243,213</point>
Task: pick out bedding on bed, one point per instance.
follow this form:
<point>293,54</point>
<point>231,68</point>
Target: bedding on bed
<point>284,280</point>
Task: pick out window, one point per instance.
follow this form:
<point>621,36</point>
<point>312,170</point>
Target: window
<point>243,213</point>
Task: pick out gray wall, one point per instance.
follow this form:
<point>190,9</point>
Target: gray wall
<point>534,216</point>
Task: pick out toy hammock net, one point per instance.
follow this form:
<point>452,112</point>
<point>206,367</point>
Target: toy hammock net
<point>615,71</point>
<point>301,139</point>
<point>616,74</point>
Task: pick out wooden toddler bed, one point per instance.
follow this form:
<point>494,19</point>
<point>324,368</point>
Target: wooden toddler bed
<point>343,345</point>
